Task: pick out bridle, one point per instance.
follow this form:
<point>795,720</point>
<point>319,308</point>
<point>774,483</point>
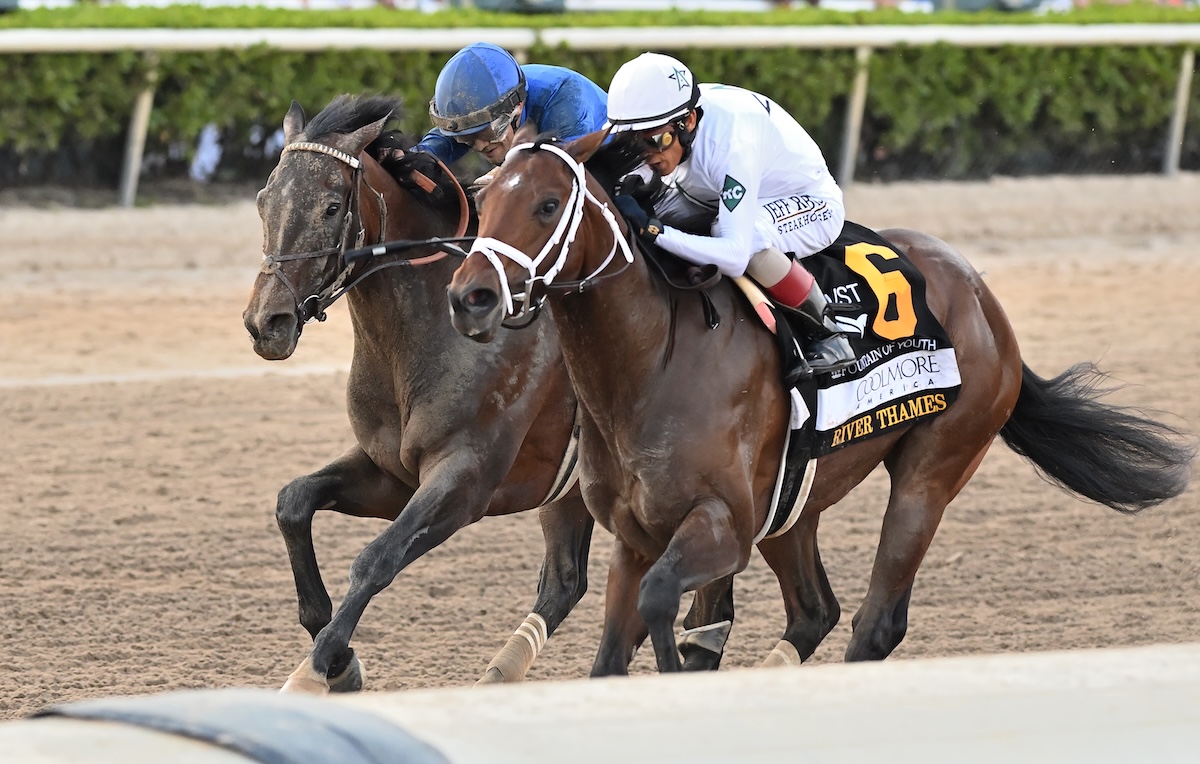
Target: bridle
<point>313,306</point>
<point>564,234</point>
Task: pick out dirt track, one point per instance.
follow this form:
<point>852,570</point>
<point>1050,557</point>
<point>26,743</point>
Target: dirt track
<point>144,447</point>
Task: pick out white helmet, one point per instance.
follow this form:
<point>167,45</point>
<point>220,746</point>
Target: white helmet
<point>650,91</point>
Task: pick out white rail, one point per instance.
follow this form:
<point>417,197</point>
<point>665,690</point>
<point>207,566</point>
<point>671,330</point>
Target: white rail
<point>861,38</point>
<point>600,38</point>
<point>1138,704</point>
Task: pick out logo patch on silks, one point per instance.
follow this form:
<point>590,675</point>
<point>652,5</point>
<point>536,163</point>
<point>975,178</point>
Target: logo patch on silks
<point>732,193</point>
<point>906,368</point>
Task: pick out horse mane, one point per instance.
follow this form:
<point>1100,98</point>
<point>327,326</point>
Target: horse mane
<point>347,113</point>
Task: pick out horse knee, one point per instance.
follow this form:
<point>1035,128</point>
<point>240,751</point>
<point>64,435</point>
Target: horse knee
<point>294,507</point>
<point>658,598</point>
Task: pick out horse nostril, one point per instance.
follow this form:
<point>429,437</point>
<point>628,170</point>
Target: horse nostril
<point>280,325</point>
<point>481,300</point>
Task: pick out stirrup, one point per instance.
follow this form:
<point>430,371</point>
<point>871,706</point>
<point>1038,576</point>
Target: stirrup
<point>801,371</point>
<point>829,354</point>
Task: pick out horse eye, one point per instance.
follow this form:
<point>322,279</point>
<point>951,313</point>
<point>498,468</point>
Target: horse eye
<point>332,209</point>
<point>549,207</point>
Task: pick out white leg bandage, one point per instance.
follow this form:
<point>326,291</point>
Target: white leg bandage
<point>521,649</point>
<point>783,655</point>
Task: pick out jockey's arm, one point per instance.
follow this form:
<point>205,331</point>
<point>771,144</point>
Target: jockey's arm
<point>443,147</point>
<point>730,250</point>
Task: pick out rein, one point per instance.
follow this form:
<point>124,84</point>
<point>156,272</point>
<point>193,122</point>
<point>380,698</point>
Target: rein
<point>563,236</point>
<point>314,306</point>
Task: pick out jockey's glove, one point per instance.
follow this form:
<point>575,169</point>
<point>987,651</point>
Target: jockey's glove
<point>646,227</point>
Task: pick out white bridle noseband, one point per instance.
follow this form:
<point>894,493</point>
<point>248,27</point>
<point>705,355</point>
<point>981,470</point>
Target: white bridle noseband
<point>564,232</point>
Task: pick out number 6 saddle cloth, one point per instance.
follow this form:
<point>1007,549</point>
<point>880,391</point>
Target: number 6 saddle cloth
<point>906,369</point>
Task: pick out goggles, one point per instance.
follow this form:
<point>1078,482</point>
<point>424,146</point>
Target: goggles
<point>496,130</point>
<point>653,144</point>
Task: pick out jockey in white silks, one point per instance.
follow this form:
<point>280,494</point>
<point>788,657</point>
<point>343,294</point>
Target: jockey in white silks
<point>739,154</point>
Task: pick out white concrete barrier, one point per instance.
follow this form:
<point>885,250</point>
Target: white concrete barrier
<point>1118,705</point>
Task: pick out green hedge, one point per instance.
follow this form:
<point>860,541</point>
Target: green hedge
<point>89,15</point>
<point>935,111</point>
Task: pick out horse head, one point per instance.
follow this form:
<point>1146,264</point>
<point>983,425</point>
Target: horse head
<point>310,214</point>
<point>341,181</point>
<point>536,220</point>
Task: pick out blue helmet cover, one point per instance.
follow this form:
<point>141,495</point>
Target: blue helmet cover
<point>479,84</point>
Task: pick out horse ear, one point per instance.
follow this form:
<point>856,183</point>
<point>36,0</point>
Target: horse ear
<point>362,137</point>
<point>581,149</point>
<point>293,123</point>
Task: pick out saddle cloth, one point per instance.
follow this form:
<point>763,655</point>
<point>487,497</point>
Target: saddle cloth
<point>906,369</point>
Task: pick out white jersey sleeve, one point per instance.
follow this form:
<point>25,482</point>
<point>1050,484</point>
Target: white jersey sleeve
<point>746,151</point>
<point>736,175</point>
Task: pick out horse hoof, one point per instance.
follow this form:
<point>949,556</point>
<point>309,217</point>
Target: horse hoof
<point>350,680</point>
<point>305,680</point>
<point>698,659</point>
<point>491,676</point>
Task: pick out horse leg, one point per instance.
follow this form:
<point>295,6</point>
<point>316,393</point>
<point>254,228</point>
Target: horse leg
<point>808,599</point>
<point>624,629</point>
<point>354,485</point>
<point>925,478</point>
<point>707,626</point>
<point>454,492</point>
<point>567,529</point>
<point>703,549</point>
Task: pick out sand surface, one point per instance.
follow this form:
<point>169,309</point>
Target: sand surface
<point>144,444</point>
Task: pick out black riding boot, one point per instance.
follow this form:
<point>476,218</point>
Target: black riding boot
<point>827,348</point>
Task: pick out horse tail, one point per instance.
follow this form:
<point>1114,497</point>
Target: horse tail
<point>1113,455</point>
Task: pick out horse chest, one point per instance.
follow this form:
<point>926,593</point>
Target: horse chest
<point>635,500</point>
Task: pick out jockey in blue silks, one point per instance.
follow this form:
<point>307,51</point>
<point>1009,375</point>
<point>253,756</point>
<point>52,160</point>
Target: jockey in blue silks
<point>483,95</point>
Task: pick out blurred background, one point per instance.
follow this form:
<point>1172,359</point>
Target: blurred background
<point>941,111</point>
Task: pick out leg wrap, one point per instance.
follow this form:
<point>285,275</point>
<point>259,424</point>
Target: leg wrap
<point>305,679</point>
<point>711,637</point>
<point>519,652</point>
<point>783,655</point>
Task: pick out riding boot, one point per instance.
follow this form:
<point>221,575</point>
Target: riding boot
<point>828,349</point>
<point>793,288</point>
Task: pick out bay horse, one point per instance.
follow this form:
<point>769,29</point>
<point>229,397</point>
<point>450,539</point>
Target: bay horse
<point>447,430</point>
<point>683,425</point>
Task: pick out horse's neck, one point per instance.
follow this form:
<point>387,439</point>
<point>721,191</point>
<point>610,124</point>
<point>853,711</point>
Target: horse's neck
<point>616,335</point>
<point>403,308</point>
